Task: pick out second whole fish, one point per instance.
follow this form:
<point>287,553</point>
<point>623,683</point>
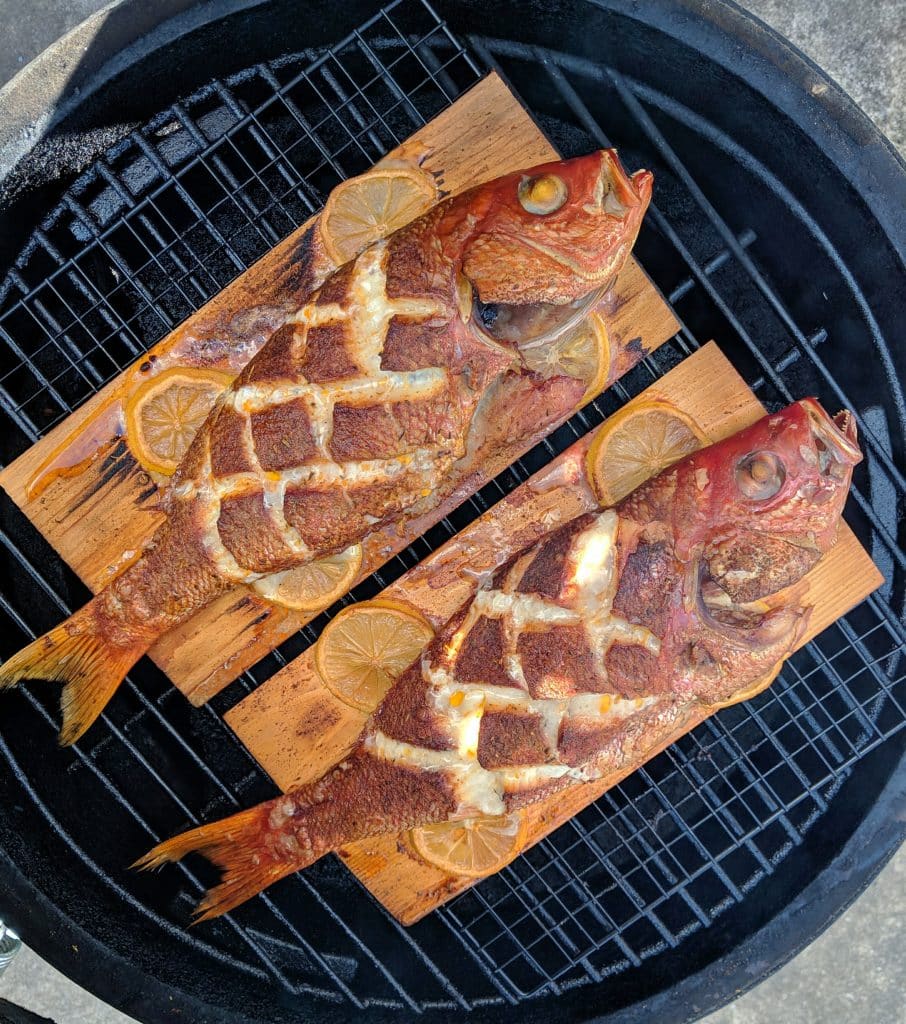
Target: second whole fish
<point>579,656</point>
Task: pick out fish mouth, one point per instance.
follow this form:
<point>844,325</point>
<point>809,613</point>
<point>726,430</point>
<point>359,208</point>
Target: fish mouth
<point>836,438</point>
<point>732,619</point>
<point>620,188</point>
<point>746,625</point>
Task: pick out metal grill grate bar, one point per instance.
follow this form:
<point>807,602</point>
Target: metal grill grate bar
<point>702,277</point>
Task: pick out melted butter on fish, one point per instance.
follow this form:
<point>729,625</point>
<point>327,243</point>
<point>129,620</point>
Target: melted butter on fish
<point>459,707</point>
<point>594,578</point>
<point>589,602</point>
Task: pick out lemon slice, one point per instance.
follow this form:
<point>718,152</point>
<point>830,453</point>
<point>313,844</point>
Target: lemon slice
<point>164,413</point>
<point>313,586</point>
<point>583,353</point>
<point>637,443</point>
<point>375,204</point>
<point>472,847</point>
<point>365,648</point>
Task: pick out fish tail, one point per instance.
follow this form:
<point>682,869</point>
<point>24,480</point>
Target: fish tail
<point>257,847</point>
<point>79,654</point>
<point>237,846</point>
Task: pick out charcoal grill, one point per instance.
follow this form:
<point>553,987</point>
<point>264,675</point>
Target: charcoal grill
<point>778,229</point>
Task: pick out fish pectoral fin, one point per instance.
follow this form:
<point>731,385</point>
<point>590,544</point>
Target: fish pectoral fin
<point>79,655</point>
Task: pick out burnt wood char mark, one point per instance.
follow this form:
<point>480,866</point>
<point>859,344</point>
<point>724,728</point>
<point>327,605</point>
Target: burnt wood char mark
<point>558,662</point>
<point>325,357</point>
<point>229,453</point>
<point>510,738</point>
<point>260,550</point>
<point>258,619</point>
<point>480,657</point>
<point>365,432</point>
<point>118,449</point>
<point>326,520</point>
<point>282,435</point>
<point>116,466</point>
<point>149,493</point>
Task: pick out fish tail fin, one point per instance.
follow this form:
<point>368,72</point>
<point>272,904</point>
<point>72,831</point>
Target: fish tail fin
<point>79,654</point>
<point>236,845</point>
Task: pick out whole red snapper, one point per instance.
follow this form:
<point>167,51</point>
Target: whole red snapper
<point>578,655</point>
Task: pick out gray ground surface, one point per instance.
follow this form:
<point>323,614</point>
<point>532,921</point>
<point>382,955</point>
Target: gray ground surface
<point>856,972</point>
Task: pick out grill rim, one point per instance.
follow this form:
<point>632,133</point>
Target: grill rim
<point>878,826</point>
<point>875,840</point>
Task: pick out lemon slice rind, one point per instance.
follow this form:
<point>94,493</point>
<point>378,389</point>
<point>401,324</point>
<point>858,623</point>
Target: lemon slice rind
<point>471,848</point>
<point>364,649</point>
<point>637,443</point>
<point>373,205</point>
<point>164,413</point>
<point>315,585</point>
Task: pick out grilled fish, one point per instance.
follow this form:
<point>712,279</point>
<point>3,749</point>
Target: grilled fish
<point>352,414</point>
<point>577,655</point>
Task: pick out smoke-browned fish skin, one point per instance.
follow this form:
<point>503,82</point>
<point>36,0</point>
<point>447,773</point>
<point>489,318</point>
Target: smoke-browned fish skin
<point>578,655</point>
<point>352,414</point>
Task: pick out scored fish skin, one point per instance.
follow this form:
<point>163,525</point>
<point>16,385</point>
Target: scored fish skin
<point>578,655</point>
<point>352,414</point>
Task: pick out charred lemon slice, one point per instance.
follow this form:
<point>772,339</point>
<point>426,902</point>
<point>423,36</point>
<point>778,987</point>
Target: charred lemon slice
<point>164,413</point>
<point>375,204</point>
<point>637,443</point>
<point>583,353</point>
<point>365,648</point>
<point>311,587</point>
<point>473,847</point>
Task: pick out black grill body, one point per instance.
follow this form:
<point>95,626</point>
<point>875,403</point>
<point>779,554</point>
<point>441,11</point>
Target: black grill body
<point>778,229</point>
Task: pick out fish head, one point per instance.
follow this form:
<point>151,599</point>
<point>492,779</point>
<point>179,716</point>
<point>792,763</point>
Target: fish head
<point>556,232</point>
<point>781,483</point>
<point>768,503</point>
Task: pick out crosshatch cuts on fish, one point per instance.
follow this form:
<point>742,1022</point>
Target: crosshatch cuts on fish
<point>353,413</point>
<point>576,656</point>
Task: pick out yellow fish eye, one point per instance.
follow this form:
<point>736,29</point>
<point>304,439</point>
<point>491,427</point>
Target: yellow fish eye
<point>760,475</point>
<point>542,195</point>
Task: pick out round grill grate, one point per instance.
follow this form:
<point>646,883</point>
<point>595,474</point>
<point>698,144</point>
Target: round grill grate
<point>689,856</point>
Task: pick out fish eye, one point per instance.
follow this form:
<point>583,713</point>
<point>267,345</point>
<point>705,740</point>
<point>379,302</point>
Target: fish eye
<point>760,475</point>
<point>542,195</point>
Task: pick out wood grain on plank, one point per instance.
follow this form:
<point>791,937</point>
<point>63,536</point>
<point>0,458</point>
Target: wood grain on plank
<point>99,518</point>
<point>296,729</point>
